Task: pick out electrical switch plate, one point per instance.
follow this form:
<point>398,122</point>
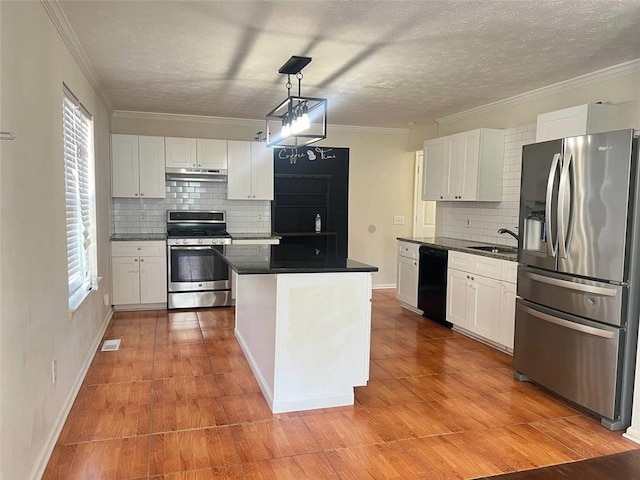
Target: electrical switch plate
<point>398,220</point>
<point>142,217</point>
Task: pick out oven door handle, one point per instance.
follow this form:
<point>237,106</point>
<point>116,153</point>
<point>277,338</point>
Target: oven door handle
<point>209,247</point>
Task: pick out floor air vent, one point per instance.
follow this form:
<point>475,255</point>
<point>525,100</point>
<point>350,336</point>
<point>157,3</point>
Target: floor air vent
<point>110,345</point>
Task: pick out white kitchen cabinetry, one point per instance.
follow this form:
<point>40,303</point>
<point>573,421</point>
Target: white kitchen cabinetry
<point>579,120</point>
<point>407,275</point>
<point>481,297</point>
<point>250,171</point>
<point>139,272</point>
<point>464,166</point>
<point>203,153</point>
<point>137,166</point>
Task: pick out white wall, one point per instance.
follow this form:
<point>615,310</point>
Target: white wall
<point>34,323</point>
<point>380,176</point>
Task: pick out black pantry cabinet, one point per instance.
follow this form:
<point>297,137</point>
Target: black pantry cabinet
<point>309,181</point>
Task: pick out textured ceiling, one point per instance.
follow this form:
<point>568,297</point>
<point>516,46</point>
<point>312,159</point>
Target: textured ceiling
<point>380,63</point>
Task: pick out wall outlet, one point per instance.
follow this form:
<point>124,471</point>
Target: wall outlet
<point>105,300</point>
<point>398,220</point>
<point>54,370</point>
<point>142,217</point>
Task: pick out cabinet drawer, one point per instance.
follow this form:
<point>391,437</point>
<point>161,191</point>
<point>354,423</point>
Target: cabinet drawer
<point>138,249</point>
<point>476,264</point>
<point>408,249</point>
<point>509,271</point>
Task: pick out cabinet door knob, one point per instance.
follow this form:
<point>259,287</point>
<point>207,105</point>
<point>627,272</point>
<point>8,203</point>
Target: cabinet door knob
<point>142,259</point>
<point>136,194</point>
<point>142,194</point>
<point>135,259</point>
<point>139,248</point>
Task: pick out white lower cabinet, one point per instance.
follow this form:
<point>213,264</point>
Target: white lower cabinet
<point>482,305</point>
<point>139,273</point>
<point>407,274</point>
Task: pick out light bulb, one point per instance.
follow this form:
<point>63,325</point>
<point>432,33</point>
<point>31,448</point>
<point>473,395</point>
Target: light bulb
<point>304,119</point>
<point>286,128</point>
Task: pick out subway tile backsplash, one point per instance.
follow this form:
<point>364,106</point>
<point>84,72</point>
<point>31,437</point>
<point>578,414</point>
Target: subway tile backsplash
<point>149,215</point>
<point>480,221</point>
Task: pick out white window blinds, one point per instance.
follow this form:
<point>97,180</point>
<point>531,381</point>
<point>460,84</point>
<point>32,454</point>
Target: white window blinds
<point>79,190</point>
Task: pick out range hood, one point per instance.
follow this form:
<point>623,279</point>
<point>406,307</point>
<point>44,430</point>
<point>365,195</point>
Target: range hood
<point>196,174</point>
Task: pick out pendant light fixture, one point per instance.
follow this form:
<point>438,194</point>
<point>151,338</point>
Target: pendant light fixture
<point>298,120</point>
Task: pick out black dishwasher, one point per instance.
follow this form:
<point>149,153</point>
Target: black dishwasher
<point>432,284</point>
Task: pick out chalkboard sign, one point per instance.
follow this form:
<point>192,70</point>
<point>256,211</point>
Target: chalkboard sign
<point>310,181</point>
<point>301,155</point>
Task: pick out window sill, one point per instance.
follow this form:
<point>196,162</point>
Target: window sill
<point>78,298</point>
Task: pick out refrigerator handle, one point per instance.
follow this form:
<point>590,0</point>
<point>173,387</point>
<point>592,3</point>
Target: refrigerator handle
<point>563,234</point>
<point>598,332</point>
<point>551,241</point>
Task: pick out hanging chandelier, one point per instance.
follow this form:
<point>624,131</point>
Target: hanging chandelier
<point>298,120</point>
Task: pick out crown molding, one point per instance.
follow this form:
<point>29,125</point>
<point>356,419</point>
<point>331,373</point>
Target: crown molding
<point>608,73</point>
<point>244,122</point>
<point>60,21</point>
<point>179,117</point>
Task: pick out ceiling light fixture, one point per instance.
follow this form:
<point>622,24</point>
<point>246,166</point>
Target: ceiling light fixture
<point>298,120</point>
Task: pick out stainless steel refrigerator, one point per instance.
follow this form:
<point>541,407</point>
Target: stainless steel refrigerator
<point>578,274</point>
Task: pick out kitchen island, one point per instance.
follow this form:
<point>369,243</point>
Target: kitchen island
<point>303,321</point>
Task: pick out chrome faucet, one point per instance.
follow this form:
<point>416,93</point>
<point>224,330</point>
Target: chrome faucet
<point>514,235</point>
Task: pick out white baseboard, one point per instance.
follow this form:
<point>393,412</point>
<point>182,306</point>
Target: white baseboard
<point>41,464</point>
<point>138,306</point>
<point>632,434</point>
<point>382,286</point>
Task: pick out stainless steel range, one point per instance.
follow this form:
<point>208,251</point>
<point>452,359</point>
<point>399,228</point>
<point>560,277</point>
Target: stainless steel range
<point>197,276</point>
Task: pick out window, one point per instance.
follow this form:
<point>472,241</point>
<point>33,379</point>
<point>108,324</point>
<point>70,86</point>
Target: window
<point>77,126</point>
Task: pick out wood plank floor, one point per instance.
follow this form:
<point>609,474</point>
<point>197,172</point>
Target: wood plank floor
<point>179,402</point>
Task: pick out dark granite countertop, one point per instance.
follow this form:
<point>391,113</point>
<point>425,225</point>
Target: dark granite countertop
<point>270,259</point>
<point>138,237</point>
<point>255,236</point>
<point>460,245</point>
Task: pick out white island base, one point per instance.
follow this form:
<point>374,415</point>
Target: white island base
<point>306,336</point>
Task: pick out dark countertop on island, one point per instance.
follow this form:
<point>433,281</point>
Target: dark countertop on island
<point>272,259</point>
<point>255,236</point>
<point>461,245</point>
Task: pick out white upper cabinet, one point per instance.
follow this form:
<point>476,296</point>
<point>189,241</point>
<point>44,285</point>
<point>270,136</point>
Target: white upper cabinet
<point>250,171</point>
<point>434,171</point>
<point>211,154</point>
<point>579,120</point>
<point>204,153</point>
<point>181,152</point>
<point>137,166</point>
<point>464,166</point>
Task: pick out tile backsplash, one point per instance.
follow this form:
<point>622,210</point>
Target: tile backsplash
<point>480,221</point>
<point>149,215</point>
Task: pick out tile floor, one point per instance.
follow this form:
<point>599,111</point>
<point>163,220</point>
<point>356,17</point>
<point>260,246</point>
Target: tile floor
<point>178,401</point>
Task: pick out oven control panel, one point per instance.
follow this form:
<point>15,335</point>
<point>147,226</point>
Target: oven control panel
<point>198,241</point>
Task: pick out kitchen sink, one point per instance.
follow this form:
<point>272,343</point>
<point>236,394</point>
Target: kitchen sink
<point>495,249</point>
